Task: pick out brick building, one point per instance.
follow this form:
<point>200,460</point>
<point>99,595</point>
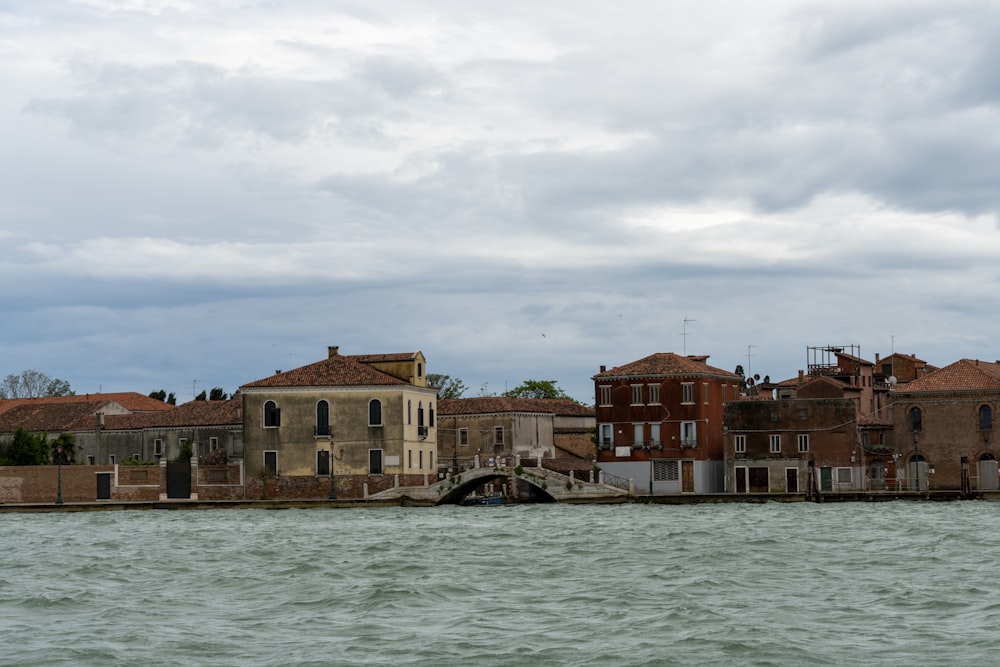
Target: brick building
<point>659,422</point>
<point>943,427</point>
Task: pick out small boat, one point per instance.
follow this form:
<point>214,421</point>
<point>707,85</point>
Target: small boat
<point>492,499</point>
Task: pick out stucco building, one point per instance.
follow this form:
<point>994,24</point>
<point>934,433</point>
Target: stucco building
<point>365,421</point>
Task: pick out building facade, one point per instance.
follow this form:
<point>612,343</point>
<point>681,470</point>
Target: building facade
<point>660,422</point>
<point>358,423</point>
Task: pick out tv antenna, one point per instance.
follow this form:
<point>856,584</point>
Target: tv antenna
<point>749,354</point>
<point>684,334</point>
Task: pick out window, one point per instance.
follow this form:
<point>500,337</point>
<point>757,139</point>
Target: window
<point>272,414</point>
<point>181,442</point>
<point>985,418</point>
<point>605,391</point>
<point>741,444</point>
<point>606,438</point>
<point>463,437</point>
<point>775,444</point>
<point>430,412</point>
<point>736,392</point>
<point>666,471</point>
<point>420,370</point>
<point>844,476</point>
<point>375,413</point>
<point>498,435</point>
<point>420,413</point>
<point>420,459</point>
<point>916,420</point>
<point>637,394</point>
<point>409,458</point>
<point>704,388</point>
<point>637,433</point>
<point>804,442</point>
<point>689,434</point>
<point>322,418</point>
<point>271,461</point>
<point>654,394</point>
<point>803,414</point>
<point>158,447</point>
<point>431,463</point>
<point>409,412</point>
<point>213,443</point>
<point>725,388</point>
<point>687,392</point>
<point>654,433</point>
<point>112,459</point>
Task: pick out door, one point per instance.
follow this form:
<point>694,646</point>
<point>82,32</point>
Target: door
<point>741,479</point>
<point>759,480</point>
<point>323,462</point>
<point>987,471</point>
<point>104,486</point>
<point>687,476</point>
<point>179,479</point>
<point>792,480</point>
<point>916,469</point>
<point>826,479</point>
<point>375,461</point>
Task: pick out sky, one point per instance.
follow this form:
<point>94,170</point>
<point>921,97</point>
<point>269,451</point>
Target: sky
<point>195,194</point>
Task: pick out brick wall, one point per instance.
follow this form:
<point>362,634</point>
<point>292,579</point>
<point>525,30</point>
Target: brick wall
<point>39,484</point>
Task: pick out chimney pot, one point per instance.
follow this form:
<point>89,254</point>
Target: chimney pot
<point>333,350</point>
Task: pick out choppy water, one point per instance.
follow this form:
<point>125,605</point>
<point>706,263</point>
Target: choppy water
<point>900,583</point>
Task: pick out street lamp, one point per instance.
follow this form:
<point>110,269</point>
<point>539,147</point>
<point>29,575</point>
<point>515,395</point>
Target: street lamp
<point>59,458</point>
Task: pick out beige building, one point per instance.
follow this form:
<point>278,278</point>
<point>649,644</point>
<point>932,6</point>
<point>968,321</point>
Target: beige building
<point>366,421</point>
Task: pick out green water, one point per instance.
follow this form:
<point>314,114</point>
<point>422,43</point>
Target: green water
<point>902,583</point>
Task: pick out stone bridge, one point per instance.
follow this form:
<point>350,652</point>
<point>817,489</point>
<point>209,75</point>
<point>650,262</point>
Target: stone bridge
<point>545,486</point>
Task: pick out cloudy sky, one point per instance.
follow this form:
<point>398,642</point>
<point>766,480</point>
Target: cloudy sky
<point>196,193</point>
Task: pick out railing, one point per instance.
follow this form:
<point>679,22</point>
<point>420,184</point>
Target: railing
<point>323,429</point>
<point>422,431</point>
<point>616,481</point>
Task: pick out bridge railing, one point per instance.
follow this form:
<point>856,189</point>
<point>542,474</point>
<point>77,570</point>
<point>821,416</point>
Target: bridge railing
<point>616,481</point>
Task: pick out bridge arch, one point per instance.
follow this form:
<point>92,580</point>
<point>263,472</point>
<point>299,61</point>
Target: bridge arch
<point>454,495</point>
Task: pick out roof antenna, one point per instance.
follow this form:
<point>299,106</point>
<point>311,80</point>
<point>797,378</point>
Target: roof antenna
<point>685,334</point>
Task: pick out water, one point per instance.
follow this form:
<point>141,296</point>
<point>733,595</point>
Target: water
<point>900,583</point>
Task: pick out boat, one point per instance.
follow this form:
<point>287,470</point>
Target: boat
<point>490,499</point>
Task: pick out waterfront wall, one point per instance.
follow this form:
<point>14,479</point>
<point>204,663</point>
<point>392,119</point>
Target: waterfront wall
<point>346,487</point>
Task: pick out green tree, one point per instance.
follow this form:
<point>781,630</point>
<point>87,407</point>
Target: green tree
<point>25,449</point>
<point>33,384</point>
<point>186,451</point>
<point>68,443</point>
<point>217,394</point>
<point>159,394</point>
<point>201,397</point>
<point>447,386</point>
<point>537,389</point>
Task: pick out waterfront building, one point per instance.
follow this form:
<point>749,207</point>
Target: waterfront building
<point>356,423</point>
<point>660,422</point>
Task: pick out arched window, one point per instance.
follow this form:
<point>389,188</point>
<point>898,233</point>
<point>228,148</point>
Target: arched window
<point>420,413</point>
<point>916,420</point>
<point>374,412</point>
<point>985,418</point>
<point>322,418</point>
<point>409,412</point>
<point>272,415</point>
<point>431,422</point>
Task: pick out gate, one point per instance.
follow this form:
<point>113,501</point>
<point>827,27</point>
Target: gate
<point>179,479</point>
<point>987,474</point>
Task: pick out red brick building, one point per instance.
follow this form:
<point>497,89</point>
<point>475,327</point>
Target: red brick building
<point>659,422</point>
<point>943,427</point>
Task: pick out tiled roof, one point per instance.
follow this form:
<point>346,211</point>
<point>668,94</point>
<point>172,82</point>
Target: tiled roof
<point>52,416</point>
<point>499,404</point>
<point>665,364</point>
<point>130,400</point>
<point>335,371</point>
<point>192,413</point>
<point>963,375</point>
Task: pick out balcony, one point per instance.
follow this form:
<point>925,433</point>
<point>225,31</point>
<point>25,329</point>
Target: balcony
<point>422,431</point>
<point>689,443</point>
<point>322,431</point>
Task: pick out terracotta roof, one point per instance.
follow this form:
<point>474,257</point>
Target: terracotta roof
<point>665,364</point>
<point>52,416</point>
<point>499,404</point>
<point>963,375</point>
<point>335,371</point>
<point>192,413</point>
<point>130,400</point>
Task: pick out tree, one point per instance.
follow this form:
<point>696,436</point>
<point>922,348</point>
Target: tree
<point>32,384</point>
<point>537,389</point>
<point>201,397</point>
<point>68,443</point>
<point>447,386</point>
<point>159,394</point>
<point>25,449</point>
<point>217,394</point>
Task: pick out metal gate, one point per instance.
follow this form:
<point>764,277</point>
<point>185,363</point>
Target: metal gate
<point>178,479</point>
<point>987,475</point>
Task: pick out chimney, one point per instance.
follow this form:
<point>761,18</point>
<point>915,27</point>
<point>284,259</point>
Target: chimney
<point>333,350</point>
<point>604,368</point>
<point>876,358</point>
<point>277,371</point>
<point>100,420</point>
<point>801,375</point>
